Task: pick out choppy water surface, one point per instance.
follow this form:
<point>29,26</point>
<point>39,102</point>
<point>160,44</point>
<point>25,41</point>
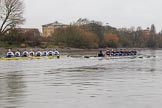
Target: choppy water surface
<point>83,83</point>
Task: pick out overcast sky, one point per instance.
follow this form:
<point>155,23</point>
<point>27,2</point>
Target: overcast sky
<point>118,13</point>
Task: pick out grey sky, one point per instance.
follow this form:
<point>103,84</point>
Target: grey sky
<point>118,13</point>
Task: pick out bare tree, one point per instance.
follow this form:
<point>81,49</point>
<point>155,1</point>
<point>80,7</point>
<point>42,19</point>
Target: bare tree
<point>11,14</point>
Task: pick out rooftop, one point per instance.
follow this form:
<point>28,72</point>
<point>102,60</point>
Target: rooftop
<point>56,23</point>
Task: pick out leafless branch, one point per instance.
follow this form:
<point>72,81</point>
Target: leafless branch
<point>11,14</point>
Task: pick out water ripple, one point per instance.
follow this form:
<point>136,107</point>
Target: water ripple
<point>82,82</point>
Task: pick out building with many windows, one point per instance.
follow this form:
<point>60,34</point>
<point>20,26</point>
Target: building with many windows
<point>49,29</point>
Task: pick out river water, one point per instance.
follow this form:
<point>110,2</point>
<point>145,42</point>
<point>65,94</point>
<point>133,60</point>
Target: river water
<point>83,82</point>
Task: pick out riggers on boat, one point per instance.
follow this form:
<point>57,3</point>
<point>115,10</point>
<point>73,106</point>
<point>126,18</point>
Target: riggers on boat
<point>51,57</point>
<point>13,58</point>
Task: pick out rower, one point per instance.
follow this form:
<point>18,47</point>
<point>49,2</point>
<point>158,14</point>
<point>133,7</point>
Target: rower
<point>57,53</point>
<point>45,53</point>
<point>121,52</point>
<point>112,52</point>
<point>100,54</point>
<point>17,53</point>
<point>134,52</point>
<point>108,53</point>
<point>9,54</point>
<point>38,53</point>
<point>25,53</point>
<point>50,53</point>
<point>31,53</point>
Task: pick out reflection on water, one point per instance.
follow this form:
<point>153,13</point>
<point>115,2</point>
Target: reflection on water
<point>82,82</point>
<point>11,89</point>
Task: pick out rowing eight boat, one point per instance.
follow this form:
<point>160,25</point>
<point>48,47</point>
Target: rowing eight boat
<point>31,57</point>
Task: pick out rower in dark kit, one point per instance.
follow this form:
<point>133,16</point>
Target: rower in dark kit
<point>100,54</point>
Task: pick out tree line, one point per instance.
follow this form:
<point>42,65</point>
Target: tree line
<point>93,35</point>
